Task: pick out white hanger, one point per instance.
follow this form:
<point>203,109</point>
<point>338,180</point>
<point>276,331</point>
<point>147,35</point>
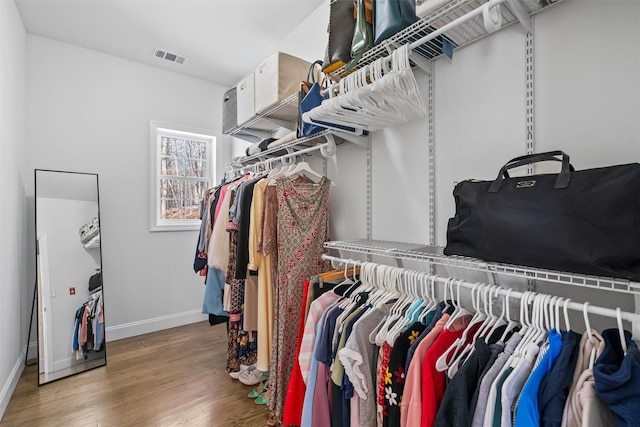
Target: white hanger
<point>528,328</point>
<point>511,325</point>
<point>430,294</point>
<point>389,95</point>
<point>478,317</point>
<point>499,321</point>
<point>404,319</point>
<point>547,307</point>
<point>401,320</point>
<point>566,314</point>
<point>557,303</point>
<point>623,340</point>
<point>303,169</point>
<point>451,352</point>
<point>390,280</point>
<point>488,308</point>
<point>587,325</point>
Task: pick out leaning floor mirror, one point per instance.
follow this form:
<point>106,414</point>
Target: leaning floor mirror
<point>69,282</point>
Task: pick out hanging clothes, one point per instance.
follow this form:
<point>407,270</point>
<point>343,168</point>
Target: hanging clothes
<point>617,376</point>
<point>583,406</point>
<point>302,229</point>
<point>267,275</point>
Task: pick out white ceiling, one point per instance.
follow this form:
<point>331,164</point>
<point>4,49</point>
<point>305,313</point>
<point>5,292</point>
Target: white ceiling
<point>222,39</point>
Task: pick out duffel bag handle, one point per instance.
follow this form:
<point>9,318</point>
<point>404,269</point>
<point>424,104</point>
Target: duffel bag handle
<point>563,177</point>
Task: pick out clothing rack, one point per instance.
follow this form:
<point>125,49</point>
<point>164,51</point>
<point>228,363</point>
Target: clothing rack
<point>516,8</point>
<point>327,149</point>
<point>584,308</point>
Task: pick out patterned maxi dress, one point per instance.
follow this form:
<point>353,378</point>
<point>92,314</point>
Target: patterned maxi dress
<point>302,229</point>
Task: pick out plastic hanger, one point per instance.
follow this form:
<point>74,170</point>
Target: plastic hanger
<point>488,308</point>
<point>401,321</point>
<point>303,169</point>
<point>404,319</point>
<point>511,325</point>
<point>279,173</point>
<point>459,311</point>
<point>467,350</point>
<point>494,324</point>
<point>431,300</point>
<point>542,300</point>
<point>547,307</point>
<point>623,340</point>
<point>391,280</point>
<point>566,314</point>
<point>587,325</point>
<point>543,316</point>
<point>451,352</point>
<point>556,304</point>
<point>499,321</point>
<point>528,329</point>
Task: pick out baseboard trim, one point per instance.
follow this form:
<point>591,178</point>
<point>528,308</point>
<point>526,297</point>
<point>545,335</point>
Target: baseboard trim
<point>32,351</point>
<point>12,381</point>
<point>126,330</point>
<point>62,364</point>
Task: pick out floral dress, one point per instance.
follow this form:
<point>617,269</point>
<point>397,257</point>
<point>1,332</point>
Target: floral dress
<point>302,229</point>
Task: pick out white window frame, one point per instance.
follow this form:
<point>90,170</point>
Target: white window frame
<point>157,130</point>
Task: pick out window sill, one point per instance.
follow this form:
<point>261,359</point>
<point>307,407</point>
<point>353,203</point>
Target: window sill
<point>175,227</point>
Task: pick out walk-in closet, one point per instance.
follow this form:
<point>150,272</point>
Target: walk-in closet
<point>320,213</point>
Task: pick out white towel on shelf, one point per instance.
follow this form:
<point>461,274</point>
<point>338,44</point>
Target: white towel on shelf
<point>285,139</point>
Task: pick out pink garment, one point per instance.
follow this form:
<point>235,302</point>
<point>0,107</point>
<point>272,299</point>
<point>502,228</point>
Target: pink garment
<point>411,403</point>
<point>318,306</point>
<point>223,192</point>
<point>321,410</point>
<point>434,382</point>
<point>83,327</point>
<point>355,411</point>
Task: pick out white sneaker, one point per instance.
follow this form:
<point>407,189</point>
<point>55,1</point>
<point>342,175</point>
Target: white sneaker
<point>243,368</point>
<point>251,377</point>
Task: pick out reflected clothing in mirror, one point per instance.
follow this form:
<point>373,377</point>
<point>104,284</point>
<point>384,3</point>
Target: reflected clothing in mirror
<point>70,285</point>
<point>88,332</point>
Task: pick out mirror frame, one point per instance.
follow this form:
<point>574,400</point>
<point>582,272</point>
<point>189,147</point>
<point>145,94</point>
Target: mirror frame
<point>36,294</point>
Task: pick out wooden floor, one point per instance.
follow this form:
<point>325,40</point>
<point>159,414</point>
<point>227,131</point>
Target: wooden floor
<point>167,378</point>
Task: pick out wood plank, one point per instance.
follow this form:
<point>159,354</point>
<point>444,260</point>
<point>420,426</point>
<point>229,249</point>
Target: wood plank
<point>171,377</point>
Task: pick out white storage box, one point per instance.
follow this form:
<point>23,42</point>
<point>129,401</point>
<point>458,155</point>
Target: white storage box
<point>245,92</point>
<point>276,78</point>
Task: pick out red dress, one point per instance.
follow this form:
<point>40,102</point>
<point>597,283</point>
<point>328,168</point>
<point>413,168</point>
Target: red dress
<point>297,388</point>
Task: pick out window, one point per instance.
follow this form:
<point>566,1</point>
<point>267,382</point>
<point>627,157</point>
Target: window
<point>182,169</point>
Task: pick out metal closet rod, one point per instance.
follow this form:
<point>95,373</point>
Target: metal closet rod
<point>327,149</point>
<point>576,306</point>
<point>464,18</point>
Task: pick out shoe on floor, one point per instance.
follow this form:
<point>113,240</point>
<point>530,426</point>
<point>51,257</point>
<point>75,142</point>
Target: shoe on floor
<point>256,392</point>
<point>251,377</point>
<point>243,368</point>
<point>262,398</point>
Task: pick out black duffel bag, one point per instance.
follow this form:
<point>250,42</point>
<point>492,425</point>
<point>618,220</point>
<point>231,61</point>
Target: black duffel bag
<point>583,221</point>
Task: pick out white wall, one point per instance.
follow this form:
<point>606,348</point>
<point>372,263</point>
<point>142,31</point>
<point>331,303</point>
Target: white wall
<point>13,217</point>
<point>90,112</point>
<point>70,266</point>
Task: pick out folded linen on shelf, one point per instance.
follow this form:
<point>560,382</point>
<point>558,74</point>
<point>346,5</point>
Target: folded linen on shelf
<point>284,140</point>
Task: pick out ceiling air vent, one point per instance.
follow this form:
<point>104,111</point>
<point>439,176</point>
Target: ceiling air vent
<point>168,56</point>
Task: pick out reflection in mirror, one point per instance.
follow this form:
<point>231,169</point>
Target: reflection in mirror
<point>69,274</point>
